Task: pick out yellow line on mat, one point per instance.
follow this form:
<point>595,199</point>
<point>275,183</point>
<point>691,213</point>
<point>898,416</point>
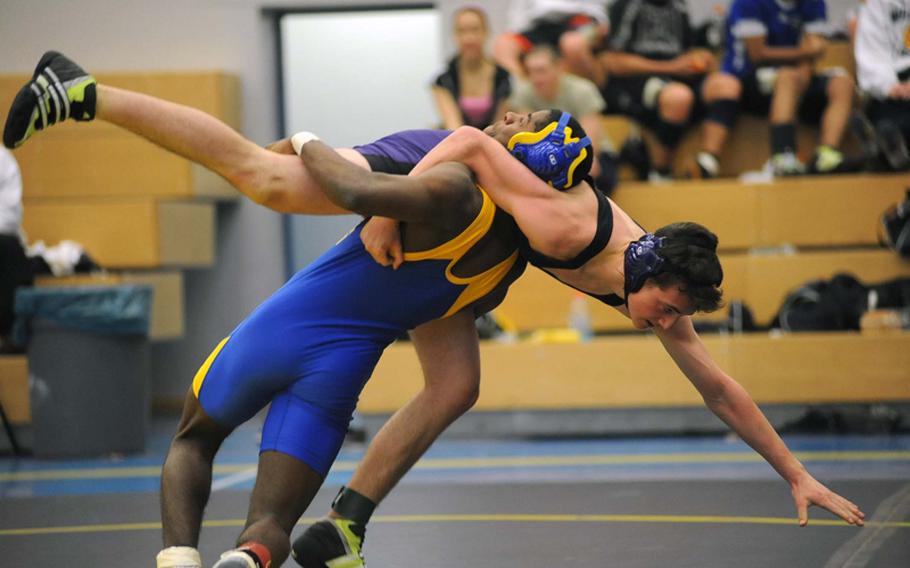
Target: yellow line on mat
<point>479,463</point>
<point>490,518</point>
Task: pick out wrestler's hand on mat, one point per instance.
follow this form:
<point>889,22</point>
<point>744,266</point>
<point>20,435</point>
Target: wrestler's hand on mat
<point>807,491</point>
<point>381,238</point>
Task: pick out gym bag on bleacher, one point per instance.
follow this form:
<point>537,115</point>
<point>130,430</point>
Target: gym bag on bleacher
<point>894,231</point>
<point>824,305</point>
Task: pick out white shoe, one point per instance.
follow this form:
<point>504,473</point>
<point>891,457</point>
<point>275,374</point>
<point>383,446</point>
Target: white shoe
<point>787,164</point>
<point>655,176</point>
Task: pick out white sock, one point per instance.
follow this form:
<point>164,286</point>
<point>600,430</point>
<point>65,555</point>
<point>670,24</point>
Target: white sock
<point>179,557</point>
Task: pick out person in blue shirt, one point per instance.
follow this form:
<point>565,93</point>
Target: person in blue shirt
<point>771,48</point>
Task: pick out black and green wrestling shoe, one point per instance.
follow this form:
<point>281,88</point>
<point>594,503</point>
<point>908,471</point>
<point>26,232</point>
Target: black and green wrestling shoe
<point>331,543</point>
<point>59,90</point>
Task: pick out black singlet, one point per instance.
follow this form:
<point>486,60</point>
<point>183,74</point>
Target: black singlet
<point>597,244</point>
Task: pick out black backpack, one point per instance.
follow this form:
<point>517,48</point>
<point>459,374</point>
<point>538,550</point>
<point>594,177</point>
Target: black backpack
<point>894,231</point>
<point>824,305</point>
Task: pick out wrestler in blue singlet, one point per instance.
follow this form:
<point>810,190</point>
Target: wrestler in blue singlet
<point>310,348</point>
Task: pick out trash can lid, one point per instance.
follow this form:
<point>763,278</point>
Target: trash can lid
<point>122,309</point>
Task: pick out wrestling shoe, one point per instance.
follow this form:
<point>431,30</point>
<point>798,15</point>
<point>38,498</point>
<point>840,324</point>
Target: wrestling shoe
<point>249,555</point>
<point>331,543</point>
<point>59,90</point>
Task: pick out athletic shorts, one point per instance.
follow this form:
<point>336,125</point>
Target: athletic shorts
<point>636,96</point>
<point>758,89</point>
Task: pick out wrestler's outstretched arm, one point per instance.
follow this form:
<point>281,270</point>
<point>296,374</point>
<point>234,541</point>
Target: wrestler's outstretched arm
<point>731,403</point>
<point>277,181</point>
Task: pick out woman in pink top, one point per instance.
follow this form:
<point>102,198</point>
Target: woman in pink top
<point>472,89</point>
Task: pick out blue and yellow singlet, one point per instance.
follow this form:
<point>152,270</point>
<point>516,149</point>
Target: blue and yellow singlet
<point>310,348</point>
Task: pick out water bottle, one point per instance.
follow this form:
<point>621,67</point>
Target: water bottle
<point>580,317</point>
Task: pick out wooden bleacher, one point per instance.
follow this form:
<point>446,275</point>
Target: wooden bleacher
<point>127,232</point>
<point>811,211</point>
<point>634,371</point>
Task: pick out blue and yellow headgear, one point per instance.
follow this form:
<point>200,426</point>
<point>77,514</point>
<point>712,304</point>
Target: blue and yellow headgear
<point>551,153</point>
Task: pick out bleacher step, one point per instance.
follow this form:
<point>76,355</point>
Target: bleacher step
<point>635,371</point>
<point>820,211</point>
<point>128,233</point>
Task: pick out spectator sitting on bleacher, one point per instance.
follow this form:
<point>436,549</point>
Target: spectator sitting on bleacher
<point>658,78</point>
<point>572,27</point>
<point>472,90</point>
<point>883,70</point>
<point>771,49</point>
<point>15,270</point>
<point>549,86</point>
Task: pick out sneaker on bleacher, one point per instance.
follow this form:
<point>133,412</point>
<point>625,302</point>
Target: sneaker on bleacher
<point>656,176</point>
<point>787,164</point>
<point>704,166</point>
<point>827,160</point>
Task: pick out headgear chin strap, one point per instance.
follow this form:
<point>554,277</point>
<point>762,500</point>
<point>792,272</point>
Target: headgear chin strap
<point>551,153</point>
<point>642,261</point>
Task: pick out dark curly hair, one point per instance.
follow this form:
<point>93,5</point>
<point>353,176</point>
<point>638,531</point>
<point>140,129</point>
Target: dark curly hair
<point>690,252</point>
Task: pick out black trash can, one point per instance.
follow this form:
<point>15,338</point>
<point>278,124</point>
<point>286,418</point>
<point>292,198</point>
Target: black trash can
<point>89,368</point>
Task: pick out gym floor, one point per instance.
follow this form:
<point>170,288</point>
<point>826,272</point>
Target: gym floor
<point>644,502</point>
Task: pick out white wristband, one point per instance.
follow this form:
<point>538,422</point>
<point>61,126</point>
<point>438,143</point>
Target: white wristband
<point>301,138</point>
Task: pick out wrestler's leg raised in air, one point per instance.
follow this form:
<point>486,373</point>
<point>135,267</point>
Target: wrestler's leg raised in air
<point>61,89</point>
